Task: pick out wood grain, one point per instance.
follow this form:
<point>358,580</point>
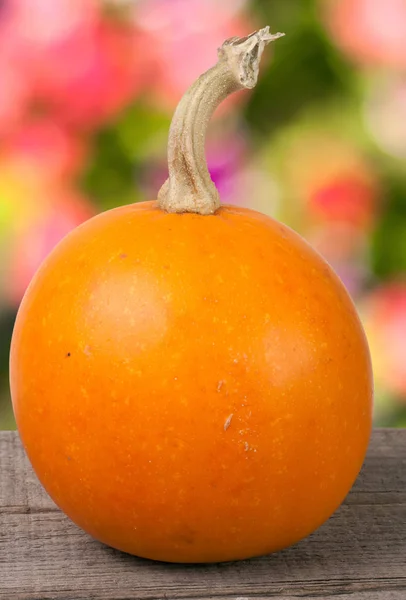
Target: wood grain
<point>359,554</point>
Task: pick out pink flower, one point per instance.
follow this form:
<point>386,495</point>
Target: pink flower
<point>181,38</point>
<point>384,316</point>
<point>331,180</point>
<point>62,213</point>
<point>371,32</point>
<point>348,198</point>
<point>83,66</point>
<point>15,83</point>
<point>46,148</point>
<point>102,73</point>
<point>39,23</point>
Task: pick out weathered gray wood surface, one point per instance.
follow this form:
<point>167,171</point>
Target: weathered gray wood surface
<point>359,554</point>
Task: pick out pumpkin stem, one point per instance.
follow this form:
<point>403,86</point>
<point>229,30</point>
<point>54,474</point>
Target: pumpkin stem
<point>189,187</point>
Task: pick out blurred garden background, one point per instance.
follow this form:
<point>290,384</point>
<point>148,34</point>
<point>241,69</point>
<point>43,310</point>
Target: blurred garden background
<point>87,91</point>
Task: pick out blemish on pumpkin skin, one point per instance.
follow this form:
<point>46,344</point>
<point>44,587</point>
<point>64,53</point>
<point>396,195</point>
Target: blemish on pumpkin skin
<point>123,255</point>
<point>220,385</point>
<point>68,354</point>
<point>186,536</point>
<point>228,422</point>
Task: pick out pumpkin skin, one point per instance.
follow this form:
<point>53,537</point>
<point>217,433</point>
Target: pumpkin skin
<point>191,388</point>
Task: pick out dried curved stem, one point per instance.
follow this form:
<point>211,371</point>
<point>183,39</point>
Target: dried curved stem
<point>189,187</point>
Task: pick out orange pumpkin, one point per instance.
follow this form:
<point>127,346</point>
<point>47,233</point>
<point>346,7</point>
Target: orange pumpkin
<point>192,387</point>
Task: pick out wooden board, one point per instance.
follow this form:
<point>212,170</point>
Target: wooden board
<point>359,554</point>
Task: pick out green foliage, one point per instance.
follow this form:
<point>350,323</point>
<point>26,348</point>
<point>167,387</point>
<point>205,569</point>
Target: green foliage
<point>304,71</point>
<point>119,152</point>
<point>389,239</point>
